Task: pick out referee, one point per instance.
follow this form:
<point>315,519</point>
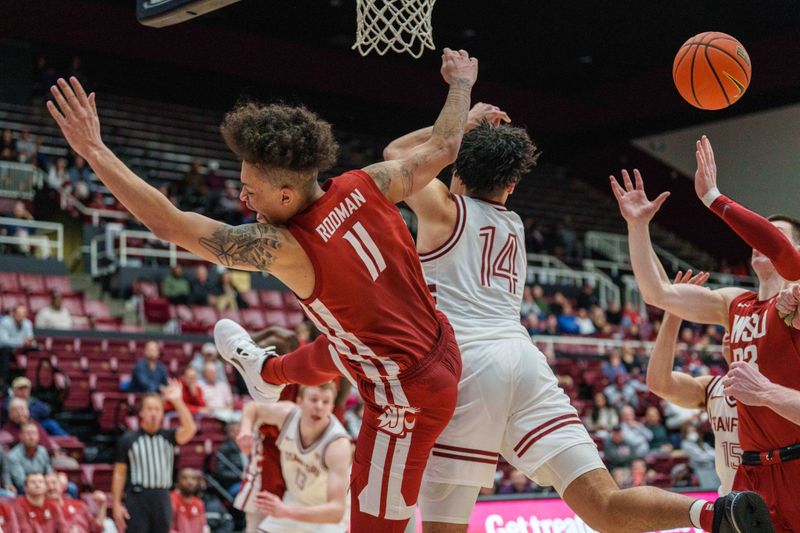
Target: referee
<point>144,463</point>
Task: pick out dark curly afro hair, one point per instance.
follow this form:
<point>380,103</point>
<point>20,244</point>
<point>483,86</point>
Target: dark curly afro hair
<point>280,136</point>
<point>492,158</point>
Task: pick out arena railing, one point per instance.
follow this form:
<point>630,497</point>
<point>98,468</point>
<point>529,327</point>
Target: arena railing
<point>42,239</point>
<point>548,343</point>
<point>112,249</point>
<point>68,200</point>
<point>19,180</point>
<point>607,290</point>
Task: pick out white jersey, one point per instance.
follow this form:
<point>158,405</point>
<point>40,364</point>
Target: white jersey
<point>477,277</point>
<point>304,470</point>
<point>724,421</point>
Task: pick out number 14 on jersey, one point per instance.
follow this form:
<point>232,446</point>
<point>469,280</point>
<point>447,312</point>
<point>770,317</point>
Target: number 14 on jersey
<point>503,265</point>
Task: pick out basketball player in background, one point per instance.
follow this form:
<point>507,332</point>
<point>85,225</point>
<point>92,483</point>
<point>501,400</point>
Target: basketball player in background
<point>263,472</point>
<point>344,249</point>
<point>509,403</point>
<point>758,335</point>
<point>703,392</point>
<point>315,452</point>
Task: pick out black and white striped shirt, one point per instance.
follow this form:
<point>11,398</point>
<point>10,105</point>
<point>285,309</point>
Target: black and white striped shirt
<point>150,458</point>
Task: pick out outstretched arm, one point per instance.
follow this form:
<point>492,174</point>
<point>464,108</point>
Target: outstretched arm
<point>248,247</point>
<point>676,387</point>
<point>755,230</point>
<point>745,383</point>
<point>400,178</point>
<point>697,304</point>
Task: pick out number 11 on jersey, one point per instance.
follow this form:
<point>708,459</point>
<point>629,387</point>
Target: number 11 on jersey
<point>504,264</point>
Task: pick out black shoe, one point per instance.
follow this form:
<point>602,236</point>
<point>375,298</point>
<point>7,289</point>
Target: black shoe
<point>741,512</point>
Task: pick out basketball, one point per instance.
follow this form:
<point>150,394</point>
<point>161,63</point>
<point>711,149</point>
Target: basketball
<point>711,70</point>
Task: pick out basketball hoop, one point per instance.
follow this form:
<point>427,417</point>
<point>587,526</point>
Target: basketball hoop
<point>396,25</point>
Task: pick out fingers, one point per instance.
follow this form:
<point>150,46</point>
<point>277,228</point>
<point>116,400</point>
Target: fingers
<point>60,100</point>
<point>638,177</point>
<point>93,103</point>
<point>616,189</point>
<point>709,151</point>
<point>678,277</point>
<point>626,179</point>
<point>80,94</point>
<point>661,199</point>
<point>69,94</point>
<point>56,114</point>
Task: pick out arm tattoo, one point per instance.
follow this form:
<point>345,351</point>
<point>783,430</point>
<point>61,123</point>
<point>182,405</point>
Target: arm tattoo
<point>386,173</point>
<point>250,244</point>
<point>453,117</point>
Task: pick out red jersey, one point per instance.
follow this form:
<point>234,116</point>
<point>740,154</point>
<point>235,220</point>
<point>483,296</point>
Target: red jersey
<point>8,517</point>
<point>370,298</point>
<point>188,516</point>
<point>78,517</point>
<point>760,337</point>
<point>44,519</point>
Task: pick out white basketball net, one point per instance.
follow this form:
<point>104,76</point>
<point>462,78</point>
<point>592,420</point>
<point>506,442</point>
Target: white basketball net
<point>396,25</point>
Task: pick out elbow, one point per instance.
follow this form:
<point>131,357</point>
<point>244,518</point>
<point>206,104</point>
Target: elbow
<point>161,231</point>
<point>654,385</point>
<point>449,148</point>
<point>389,153</point>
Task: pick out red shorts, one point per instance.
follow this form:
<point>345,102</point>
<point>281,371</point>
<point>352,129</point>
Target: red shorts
<point>777,484</point>
<point>395,440</point>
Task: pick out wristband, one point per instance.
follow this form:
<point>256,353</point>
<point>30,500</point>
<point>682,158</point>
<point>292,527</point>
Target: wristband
<point>709,197</point>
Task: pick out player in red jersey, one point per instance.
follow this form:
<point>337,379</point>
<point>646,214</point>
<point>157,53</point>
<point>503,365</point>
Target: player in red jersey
<point>344,249</point>
<point>758,335</point>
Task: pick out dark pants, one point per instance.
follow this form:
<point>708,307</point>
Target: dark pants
<point>150,510</point>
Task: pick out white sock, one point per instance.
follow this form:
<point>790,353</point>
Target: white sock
<point>694,512</point>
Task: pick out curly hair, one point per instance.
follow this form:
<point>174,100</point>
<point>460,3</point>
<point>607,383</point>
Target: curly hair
<point>492,158</point>
<point>280,136</point>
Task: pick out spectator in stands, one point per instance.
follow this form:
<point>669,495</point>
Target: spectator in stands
<point>585,324</point>
<point>26,147</point>
<point>18,415</point>
<point>16,332</point>
<point>54,315</point>
<point>640,474</point>
<point>630,315</point>
<point>614,366</point>
<point>232,208</point>
<point>618,451</point>
<point>529,312</point>
<point>557,305</point>
<point>226,296</point>
<point>551,326</point>
<point>567,321</point>
<point>652,421</point>
<point>8,517</point>
<point>76,513</point>
<point>201,287</point>
<point>217,515</point>
<point>634,431</point>
<point>26,458</point>
<point>534,240</point>
<point>38,410</point>
<point>80,177</point>
<point>208,354</point>
<point>36,513</point>
<point>613,313</point>
<point>231,461</point>
<point>175,287</point>
<point>587,298</point>
<point>217,394</point>
<point>622,477</point>
<point>701,456</point>
<point>149,374</point>
<point>681,476</point>
<point>603,417</point>
<point>633,363</point>
<point>213,180</point>
<point>194,183</point>
<point>622,392</point>
<point>192,394</point>
<point>518,483</point>
<point>8,146</point>
<point>58,176</point>
<point>23,233</point>
<point>676,416</point>
<point>144,463</point>
<point>188,511</point>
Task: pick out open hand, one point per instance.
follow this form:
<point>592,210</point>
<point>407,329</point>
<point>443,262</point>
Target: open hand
<point>458,68</point>
<point>705,178</point>
<point>633,202</point>
<point>76,115</point>
<point>172,391</point>
<point>698,279</point>
<point>490,113</point>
